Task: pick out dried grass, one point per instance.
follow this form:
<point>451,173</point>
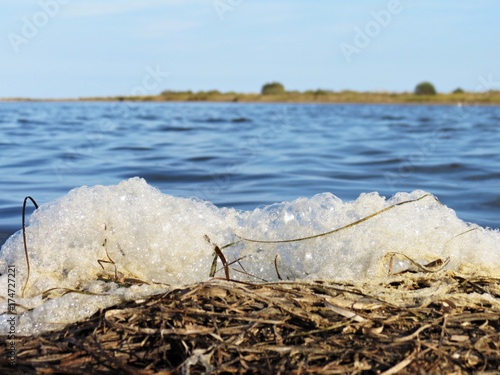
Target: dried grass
<point>417,323</point>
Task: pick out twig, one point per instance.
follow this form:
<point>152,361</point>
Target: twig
<point>218,253</point>
<point>276,266</point>
<point>24,240</point>
<point>405,362</point>
<point>337,229</point>
<point>431,267</point>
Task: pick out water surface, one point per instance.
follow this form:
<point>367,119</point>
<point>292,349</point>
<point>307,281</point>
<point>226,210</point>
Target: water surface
<point>246,155</point>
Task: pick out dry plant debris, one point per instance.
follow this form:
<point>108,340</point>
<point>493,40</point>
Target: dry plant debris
<point>413,324</point>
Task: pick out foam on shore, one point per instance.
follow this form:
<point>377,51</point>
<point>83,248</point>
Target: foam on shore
<point>128,241</point>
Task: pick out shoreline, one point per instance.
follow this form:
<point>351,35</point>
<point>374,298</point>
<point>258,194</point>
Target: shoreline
<point>344,97</point>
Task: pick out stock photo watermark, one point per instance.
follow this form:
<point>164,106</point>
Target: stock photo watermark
<point>252,147</point>
<point>485,84</point>
<point>425,148</point>
<point>150,83</point>
<point>363,36</point>
<point>31,25</point>
<point>12,315</point>
<point>222,7</point>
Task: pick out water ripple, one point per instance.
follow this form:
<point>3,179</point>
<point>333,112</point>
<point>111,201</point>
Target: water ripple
<point>244,155</point>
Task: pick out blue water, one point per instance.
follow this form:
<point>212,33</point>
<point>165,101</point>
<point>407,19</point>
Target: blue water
<point>246,155</point>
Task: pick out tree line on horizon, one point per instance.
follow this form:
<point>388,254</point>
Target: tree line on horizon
<point>277,88</point>
<point>423,88</point>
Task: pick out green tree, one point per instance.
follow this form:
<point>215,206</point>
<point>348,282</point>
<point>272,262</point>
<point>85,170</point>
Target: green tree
<point>458,91</point>
<point>273,88</point>
<point>425,88</point>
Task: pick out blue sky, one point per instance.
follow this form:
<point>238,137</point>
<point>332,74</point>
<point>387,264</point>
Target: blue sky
<point>75,48</point>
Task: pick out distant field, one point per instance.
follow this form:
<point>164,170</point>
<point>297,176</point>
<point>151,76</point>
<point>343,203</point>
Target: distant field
<point>320,96</point>
<point>317,96</point>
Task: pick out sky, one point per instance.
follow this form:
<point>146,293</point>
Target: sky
<point>82,48</point>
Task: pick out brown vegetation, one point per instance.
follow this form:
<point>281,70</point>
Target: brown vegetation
<point>414,323</point>
<point>322,96</point>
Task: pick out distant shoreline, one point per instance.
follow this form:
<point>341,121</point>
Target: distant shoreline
<point>317,96</point>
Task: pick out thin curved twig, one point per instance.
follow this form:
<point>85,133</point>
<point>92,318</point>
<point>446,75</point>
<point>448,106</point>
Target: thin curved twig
<point>336,229</point>
<point>24,240</point>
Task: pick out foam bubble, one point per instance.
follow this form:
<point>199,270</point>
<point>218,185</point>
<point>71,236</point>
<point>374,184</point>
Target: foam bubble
<point>124,242</point>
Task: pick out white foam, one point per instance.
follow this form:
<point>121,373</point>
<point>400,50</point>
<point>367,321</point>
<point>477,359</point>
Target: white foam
<point>101,240</point>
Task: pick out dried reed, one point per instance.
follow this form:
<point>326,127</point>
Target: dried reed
<point>421,320</point>
<point>416,323</point>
